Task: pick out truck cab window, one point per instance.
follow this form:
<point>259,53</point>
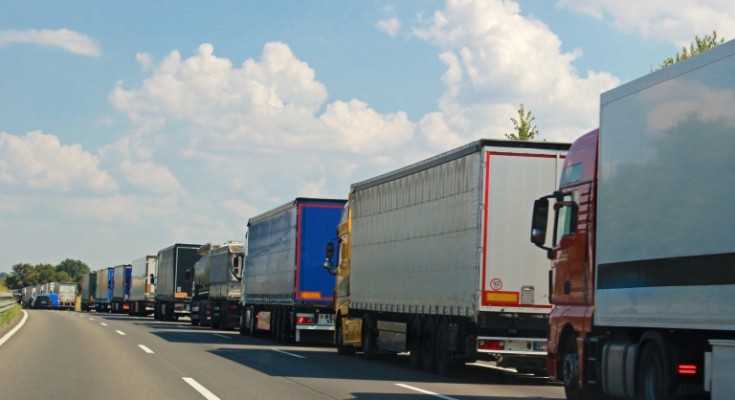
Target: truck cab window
<point>565,224</point>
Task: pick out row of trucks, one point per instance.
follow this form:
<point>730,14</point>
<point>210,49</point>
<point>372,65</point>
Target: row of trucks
<point>433,259</point>
<point>63,294</point>
<point>124,288</point>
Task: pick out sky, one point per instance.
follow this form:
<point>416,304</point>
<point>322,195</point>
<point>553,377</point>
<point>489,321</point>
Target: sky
<point>126,127</point>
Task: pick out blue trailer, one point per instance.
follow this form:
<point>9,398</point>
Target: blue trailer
<point>285,291</point>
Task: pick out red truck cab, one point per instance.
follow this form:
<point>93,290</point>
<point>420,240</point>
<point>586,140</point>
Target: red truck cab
<point>572,254</point>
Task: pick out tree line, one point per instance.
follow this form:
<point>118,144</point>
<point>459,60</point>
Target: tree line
<point>24,274</point>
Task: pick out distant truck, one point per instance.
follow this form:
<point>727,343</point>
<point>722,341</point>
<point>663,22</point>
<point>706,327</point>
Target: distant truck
<point>430,259</point>
<point>174,281</point>
<point>88,287</point>
<point>120,301</point>
<point>67,295</point>
<point>103,289</point>
<point>217,285</point>
<point>640,240</point>
<point>142,291</point>
<point>284,290</point>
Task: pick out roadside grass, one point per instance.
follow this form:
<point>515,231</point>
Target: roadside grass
<point>9,315</point>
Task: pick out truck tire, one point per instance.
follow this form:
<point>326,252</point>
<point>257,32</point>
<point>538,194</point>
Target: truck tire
<point>243,330</point>
<point>445,364</point>
<point>369,347</point>
<point>414,344</point>
<point>428,343</point>
<point>570,368</point>
<point>654,381</point>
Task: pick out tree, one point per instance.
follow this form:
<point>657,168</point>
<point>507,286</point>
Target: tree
<point>73,268</point>
<point>22,275</point>
<point>524,131</point>
<point>699,45</point>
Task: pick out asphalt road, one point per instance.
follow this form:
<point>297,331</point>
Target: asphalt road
<point>70,355</point>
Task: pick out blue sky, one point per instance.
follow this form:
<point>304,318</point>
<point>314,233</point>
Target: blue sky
<point>129,126</point>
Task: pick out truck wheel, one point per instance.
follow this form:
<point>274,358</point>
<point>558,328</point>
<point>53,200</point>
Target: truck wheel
<point>570,368</point>
<point>243,331</point>
<point>428,354</point>
<point>653,374</point>
<point>445,365</point>
<point>253,330</point>
<point>414,344</point>
<point>339,340</point>
<point>369,348</point>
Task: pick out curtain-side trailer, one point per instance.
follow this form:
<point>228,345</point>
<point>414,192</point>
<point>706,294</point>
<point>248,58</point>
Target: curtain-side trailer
<point>285,292</point>
<point>433,259</point>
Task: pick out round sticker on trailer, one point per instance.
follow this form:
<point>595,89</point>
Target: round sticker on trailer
<point>496,284</point>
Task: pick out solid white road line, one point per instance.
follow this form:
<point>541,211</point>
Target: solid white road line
<point>146,349</point>
<point>121,332</point>
<point>226,337</point>
<point>103,324</point>
<point>425,391</point>
<point>17,327</point>
<point>201,389</point>
<point>287,353</point>
<point>91,319</point>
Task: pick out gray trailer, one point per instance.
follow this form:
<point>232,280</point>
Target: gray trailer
<point>217,285</point>
<point>174,281</point>
<point>120,301</point>
<point>433,259</point>
<point>142,290</point>
<point>103,290</point>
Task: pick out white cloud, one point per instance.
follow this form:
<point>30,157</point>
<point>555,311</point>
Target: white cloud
<point>497,58</point>
<point>65,39</point>
<point>391,26</point>
<point>675,21</point>
<point>40,161</point>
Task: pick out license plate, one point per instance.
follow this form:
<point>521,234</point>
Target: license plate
<point>326,319</point>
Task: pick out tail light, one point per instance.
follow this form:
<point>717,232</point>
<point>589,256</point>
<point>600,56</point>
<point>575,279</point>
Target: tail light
<point>305,320</point>
<point>232,307</point>
<point>687,369</point>
<point>484,344</point>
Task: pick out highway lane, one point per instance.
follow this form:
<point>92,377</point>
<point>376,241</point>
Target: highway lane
<point>152,357</point>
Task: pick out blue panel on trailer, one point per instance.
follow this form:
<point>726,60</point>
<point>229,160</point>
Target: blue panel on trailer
<point>128,279</point>
<point>110,282</point>
<point>317,225</point>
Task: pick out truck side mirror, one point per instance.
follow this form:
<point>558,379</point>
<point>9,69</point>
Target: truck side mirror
<point>329,253</point>
<point>152,279</point>
<point>237,267</point>
<point>539,221</point>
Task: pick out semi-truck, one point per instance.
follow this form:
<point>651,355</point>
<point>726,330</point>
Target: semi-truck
<point>639,237</point>
<point>121,279</point>
<point>88,288</point>
<point>217,285</point>
<point>103,289</point>
<point>429,259</point>
<point>142,291</point>
<point>285,292</point>
<point>173,289</point>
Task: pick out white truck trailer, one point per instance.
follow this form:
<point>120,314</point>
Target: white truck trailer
<point>142,290</point>
<point>433,259</point>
